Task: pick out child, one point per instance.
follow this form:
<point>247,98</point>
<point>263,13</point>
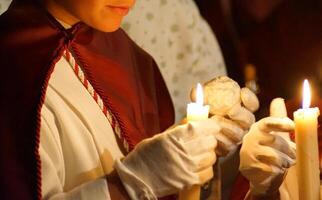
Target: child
<point>77,96</point>
<point>81,96</point>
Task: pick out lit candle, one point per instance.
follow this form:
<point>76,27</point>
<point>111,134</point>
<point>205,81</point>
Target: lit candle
<point>307,152</point>
<point>195,111</point>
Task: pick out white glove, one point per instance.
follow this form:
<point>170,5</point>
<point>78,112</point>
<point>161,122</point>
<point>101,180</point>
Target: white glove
<point>232,108</point>
<point>267,151</point>
<point>171,161</point>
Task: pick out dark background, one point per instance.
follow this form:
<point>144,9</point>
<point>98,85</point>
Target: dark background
<point>282,39</point>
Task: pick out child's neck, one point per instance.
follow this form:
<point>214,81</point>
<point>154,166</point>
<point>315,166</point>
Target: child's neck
<point>60,13</point>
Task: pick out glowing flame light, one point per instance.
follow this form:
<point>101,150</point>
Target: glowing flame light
<point>199,99</point>
<point>306,94</point>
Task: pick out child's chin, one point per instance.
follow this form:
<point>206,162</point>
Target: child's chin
<point>107,27</point>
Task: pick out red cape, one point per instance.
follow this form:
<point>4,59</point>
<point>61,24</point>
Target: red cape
<point>32,41</point>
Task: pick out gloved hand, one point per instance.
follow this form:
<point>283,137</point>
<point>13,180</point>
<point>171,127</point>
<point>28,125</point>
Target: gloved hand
<point>171,161</point>
<point>232,108</point>
<point>267,151</point>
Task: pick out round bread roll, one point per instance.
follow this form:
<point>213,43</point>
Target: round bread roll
<point>221,93</point>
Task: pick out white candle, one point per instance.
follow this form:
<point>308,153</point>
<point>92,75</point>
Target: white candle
<point>307,152</point>
<point>195,111</point>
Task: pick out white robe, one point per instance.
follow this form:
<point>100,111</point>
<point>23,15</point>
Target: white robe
<point>77,144</point>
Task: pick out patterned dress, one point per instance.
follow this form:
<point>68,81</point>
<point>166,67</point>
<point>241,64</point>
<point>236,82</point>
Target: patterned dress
<point>4,4</point>
<point>181,42</point>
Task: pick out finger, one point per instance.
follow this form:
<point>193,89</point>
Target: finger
<point>224,145</point>
<point>200,145</point>
<point>273,182</point>
<point>204,161</point>
<point>276,124</point>
<point>266,181</point>
<point>273,157</point>
<point>277,108</point>
<point>207,127</point>
<point>257,172</point>
<point>205,175</point>
<point>249,99</point>
<point>183,133</point>
<point>242,116</point>
<point>276,141</point>
<point>229,128</point>
<point>193,129</point>
<point>284,146</point>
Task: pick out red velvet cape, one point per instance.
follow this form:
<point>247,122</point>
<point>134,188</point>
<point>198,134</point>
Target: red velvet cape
<point>31,42</point>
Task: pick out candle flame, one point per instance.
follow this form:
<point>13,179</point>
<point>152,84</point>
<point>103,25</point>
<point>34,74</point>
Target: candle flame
<point>306,94</point>
<point>199,99</point>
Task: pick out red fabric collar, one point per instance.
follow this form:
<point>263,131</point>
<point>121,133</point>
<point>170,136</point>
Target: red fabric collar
<point>31,43</point>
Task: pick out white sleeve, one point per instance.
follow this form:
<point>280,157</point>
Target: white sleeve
<point>53,170</point>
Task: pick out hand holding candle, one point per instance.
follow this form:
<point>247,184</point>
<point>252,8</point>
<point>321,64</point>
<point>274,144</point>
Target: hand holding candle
<point>307,148</point>
<point>231,107</point>
<point>267,153</point>
<point>184,156</point>
<point>195,111</point>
